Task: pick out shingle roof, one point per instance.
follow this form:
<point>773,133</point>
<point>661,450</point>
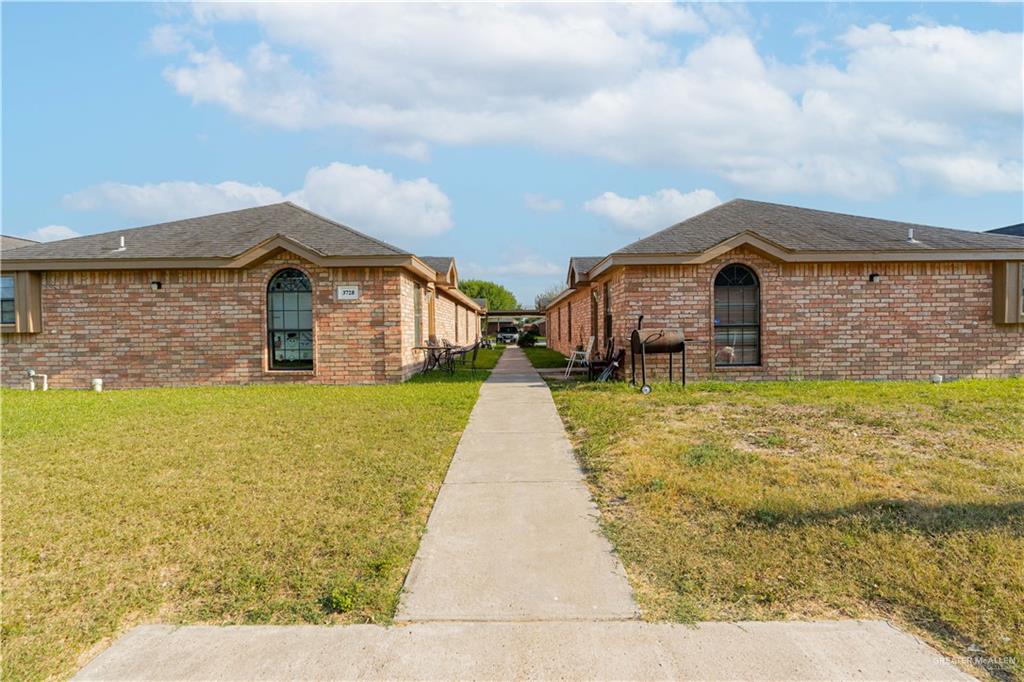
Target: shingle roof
<point>218,235</point>
<point>7,242</point>
<point>583,264</point>
<point>440,264</point>
<point>804,229</point>
<point>1016,230</point>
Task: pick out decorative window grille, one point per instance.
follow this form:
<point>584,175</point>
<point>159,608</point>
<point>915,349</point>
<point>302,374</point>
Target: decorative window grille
<point>737,317</point>
<point>290,321</point>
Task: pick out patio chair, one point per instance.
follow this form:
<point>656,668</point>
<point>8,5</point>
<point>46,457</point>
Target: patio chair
<point>460,354</point>
<point>600,361</point>
<point>580,357</point>
<point>448,358</point>
<point>610,366</point>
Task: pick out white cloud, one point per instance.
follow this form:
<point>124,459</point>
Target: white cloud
<point>649,212</point>
<point>366,198</point>
<point>542,204</point>
<point>167,39</point>
<point>170,200</point>
<point>611,80</point>
<point>52,233</point>
<point>969,174</point>
<point>375,201</point>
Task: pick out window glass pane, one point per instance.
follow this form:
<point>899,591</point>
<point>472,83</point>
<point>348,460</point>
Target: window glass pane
<point>737,317</point>
<point>7,315</point>
<point>6,286</point>
<point>290,320</point>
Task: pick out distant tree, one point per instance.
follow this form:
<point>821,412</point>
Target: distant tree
<point>498,297</point>
<point>546,296</point>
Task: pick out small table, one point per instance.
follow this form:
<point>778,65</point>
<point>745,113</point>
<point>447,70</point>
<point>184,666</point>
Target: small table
<point>434,356</point>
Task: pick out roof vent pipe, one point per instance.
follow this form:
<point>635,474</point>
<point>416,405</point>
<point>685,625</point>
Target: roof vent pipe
<point>122,247</point>
<point>910,236</point>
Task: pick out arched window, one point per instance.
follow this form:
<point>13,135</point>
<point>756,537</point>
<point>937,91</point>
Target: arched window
<point>737,317</point>
<point>290,320</point>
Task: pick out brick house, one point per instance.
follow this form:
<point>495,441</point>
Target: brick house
<point>765,291</point>
<point>274,294</point>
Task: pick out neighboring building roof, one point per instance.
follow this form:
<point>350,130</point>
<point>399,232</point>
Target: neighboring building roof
<point>1016,230</point>
<point>578,268</point>
<point>7,242</point>
<point>221,235</point>
<point>584,263</point>
<point>441,264</point>
<point>482,302</point>
<point>808,230</point>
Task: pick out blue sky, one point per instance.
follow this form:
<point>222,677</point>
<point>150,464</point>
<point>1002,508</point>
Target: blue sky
<point>510,137</point>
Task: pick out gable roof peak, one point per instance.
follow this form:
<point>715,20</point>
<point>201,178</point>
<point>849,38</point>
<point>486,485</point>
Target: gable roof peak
<point>342,226</point>
<point>219,235</point>
<point>794,228</point>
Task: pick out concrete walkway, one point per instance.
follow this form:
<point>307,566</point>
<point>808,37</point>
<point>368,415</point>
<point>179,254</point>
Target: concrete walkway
<point>513,580</point>
<point>513,535</point>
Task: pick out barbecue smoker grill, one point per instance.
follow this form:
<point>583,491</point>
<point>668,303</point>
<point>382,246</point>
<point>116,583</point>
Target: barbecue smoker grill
<point>656,342</point>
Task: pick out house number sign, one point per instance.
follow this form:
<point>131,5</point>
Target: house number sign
<point>347,292</point>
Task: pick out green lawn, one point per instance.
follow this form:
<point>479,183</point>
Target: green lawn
<point>260,504</point>
<point>542,357</point>
<point>758,501</point>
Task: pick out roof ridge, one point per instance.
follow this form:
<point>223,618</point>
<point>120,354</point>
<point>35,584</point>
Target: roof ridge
<point>847,215</point>
<point>118,230</point>
<point>346,227</point>
<point>681,222</point>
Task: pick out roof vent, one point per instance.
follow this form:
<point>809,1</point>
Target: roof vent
<point>122,247</point>
<point>910,236</point>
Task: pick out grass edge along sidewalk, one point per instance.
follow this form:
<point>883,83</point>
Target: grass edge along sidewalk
<point>542,357</point>
<point>257,504</point>
<point>830,499</point>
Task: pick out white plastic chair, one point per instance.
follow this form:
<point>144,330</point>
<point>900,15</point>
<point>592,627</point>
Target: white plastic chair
<point>580,358</point>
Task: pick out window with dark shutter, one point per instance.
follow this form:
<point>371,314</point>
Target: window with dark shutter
<point>7,314</point>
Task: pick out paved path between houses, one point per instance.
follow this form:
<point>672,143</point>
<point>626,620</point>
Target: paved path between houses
<point>513,580</point>
<point>513,535</point>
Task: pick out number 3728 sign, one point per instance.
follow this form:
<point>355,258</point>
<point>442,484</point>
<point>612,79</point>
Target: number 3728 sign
<point>347,292</point>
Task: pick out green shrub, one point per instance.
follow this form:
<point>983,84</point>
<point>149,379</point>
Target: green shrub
<point>528,339</point>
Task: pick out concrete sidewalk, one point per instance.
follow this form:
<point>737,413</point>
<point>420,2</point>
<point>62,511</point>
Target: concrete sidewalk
<point>844,650</point>
<point>513,534</point>
<point>513,580</point>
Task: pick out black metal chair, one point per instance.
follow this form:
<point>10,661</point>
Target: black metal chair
<point>598,364</point>
<point>461,354</point>
<point>612,366</point>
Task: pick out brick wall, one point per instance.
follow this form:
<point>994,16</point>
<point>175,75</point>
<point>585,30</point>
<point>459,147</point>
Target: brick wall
<point>412,360</point>
<point>208,327</point>
<point>455,322</point>
<point>444,320</point>
<point>826,320</point>
<point>558,326</point>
